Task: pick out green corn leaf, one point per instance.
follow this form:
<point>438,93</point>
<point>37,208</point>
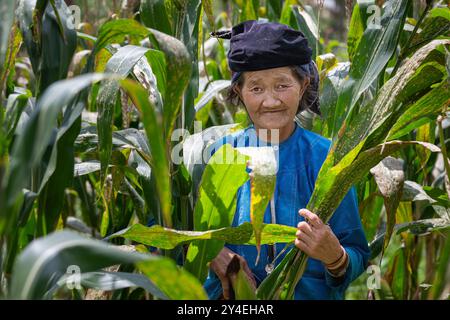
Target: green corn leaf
<point>49,47</point>
<point>248,11</point>
<point>188,30</point>
<point>178,73</point>
<point>262,180</point>
<point>371,125</point>
<point>44,261</point>
<point>9,63</point>
<point>331,85</point>
<point>439,278</point>
<point>175,282</point>
<point>216,205</point>
<point>165,238</point>
<point>287,16</point>
<point>121,63</point>
<point>242,288</point>
<point>436,23</point>
<point>390,178</point>
<point>418,227</point>
<point>36,135</point>
<point>16,103</point>
<point>115,31</point>
<point>422,111</point>
<point>213,88</point>
<point>358,24</point>
<point>208,8</point>
<point>378,43</point>
<point>308,26</point>
<point>6,18</point>
<point>153,125</point>
<point>154,15</point>
<point>273,9</point>
<point>59,173</point>
<point>109,281</point>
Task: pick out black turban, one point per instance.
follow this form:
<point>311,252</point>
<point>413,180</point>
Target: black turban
<point>256,45</point>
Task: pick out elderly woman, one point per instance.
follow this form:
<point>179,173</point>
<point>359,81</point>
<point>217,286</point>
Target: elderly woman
<point>275,78</point>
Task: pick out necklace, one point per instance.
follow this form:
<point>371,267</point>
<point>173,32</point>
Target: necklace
<point>271,247</point>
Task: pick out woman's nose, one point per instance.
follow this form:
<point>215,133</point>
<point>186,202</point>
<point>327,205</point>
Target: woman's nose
<point>271,100</point>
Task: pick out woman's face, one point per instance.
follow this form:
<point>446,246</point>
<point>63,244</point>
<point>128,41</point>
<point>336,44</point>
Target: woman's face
<point>272,98</point>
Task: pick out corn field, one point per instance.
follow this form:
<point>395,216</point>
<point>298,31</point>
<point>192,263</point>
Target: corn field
<point>107,107</point>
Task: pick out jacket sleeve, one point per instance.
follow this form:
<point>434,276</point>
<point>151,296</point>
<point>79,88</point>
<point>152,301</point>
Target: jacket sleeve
<point>346,224</point>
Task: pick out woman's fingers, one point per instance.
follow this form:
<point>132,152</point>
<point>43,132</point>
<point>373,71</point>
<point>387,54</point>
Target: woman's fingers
<point>305,228</point>
<point>299,243</point>
<point>312,218</point>
<point>225,287</point>
<point>220,266</point>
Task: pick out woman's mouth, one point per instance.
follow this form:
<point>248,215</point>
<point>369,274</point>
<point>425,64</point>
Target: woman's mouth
<point>274,111</point>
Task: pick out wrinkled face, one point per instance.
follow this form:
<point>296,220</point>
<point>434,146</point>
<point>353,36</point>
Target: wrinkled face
<point>272,98</point>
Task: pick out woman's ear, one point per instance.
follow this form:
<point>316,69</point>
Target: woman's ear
<point>237,90</point>
<point>304,86</point>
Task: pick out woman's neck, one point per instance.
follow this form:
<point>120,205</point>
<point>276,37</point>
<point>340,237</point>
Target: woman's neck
<point>275,136</point>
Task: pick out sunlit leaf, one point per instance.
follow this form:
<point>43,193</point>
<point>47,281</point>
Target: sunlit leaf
<point>216,205</point>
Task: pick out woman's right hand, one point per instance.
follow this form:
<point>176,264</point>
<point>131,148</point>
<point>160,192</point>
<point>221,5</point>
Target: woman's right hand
<point>220,266</point>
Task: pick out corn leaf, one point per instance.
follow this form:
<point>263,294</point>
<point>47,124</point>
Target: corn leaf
<point>165,238</point>
<point>178,73</point>
<point>50,42</point>
<point>6,18</point>
<point>109,281</point>
<point>216,205</point>
<point>175,282</point>
<point>121,63</point>
<point>436,23</point>
<point>45,260</point>
<point>358,23</point>
<point>34,137</point>
<point>378,44</point>
<point>154,15</point>
<point>153,125</point>
<point>308,26</point>
<point>422,111</point>
<point>390,178</point>
<point>242,288</point>
<point>10,59</point>
<point>262,181</point>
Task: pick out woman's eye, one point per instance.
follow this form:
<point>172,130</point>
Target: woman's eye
<point>256,90</point>
<point>283,86</point>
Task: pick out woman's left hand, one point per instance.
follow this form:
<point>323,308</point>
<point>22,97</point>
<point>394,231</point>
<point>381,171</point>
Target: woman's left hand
<point>317,239</point>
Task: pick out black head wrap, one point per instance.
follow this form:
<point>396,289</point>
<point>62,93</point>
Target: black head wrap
<point>257,46</point>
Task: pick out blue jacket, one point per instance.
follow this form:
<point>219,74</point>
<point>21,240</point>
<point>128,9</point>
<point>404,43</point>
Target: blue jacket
<point>300,159</point>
